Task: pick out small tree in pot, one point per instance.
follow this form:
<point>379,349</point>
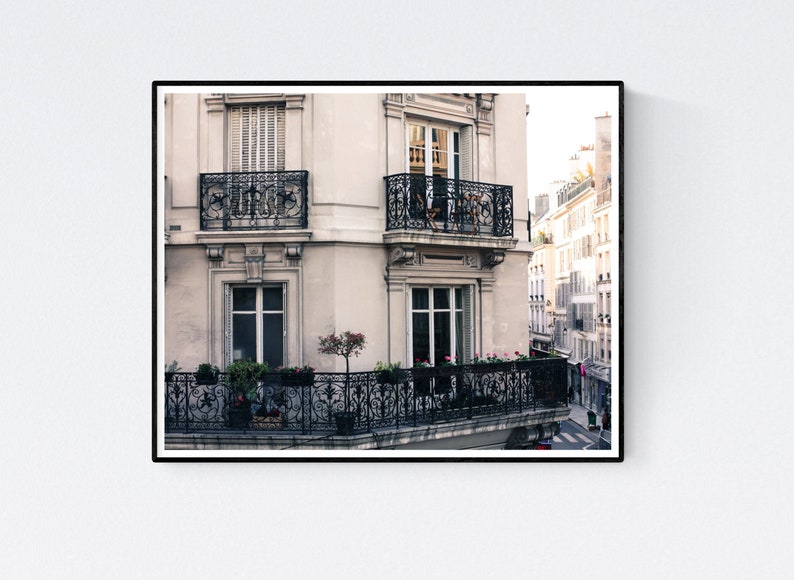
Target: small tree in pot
<point>346,344</point>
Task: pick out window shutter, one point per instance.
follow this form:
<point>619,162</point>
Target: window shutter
<point>227,331</point>
<point>468,322</point>
<point>257,138</point>
<point>466,153</point>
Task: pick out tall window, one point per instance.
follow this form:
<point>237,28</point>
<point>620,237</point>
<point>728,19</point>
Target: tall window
<point>257,137</point>
<point>256,324</point>
<point>441,323</point>
<point>441,151</point>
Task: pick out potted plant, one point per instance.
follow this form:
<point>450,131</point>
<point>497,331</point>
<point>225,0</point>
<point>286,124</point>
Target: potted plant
<point>421,377</point>
<point>388,373</point>
<point>244,377</point>
<point>171,370</point>
<point>346,344</point>
<point>297,376</point>
<point>206,374</point>
<point>268,419</point>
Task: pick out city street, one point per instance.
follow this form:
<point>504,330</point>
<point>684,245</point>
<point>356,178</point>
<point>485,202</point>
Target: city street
<point>574,437</point>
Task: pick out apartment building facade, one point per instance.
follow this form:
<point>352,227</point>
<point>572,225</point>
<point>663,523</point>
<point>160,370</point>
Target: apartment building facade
<point>291,215</point>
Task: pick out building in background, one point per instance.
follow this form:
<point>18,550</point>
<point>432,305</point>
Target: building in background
<point>571,267</point>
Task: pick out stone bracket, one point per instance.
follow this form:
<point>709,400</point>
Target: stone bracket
<point>492,260</point>
<point>402,255</point>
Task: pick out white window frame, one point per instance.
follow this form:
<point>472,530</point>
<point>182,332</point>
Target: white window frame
<point>460,159</point>
<point>467,332</point>
<point>258,312</point>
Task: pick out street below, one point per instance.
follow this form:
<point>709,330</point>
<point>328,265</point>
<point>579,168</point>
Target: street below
<point>573,437</point>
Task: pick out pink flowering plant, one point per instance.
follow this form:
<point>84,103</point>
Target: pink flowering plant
<point>493,357</point>
<point>449,361</point>
<point>421,363</point>
<point>306,369</point>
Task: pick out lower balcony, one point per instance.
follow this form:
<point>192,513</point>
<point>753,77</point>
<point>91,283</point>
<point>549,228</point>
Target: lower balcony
<point>450,401</point>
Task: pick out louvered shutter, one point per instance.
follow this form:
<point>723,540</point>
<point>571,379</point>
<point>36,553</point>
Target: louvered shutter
<point>468,322</point>
<point>466,153</point>
<point>227,330</point>
<point>257,138</point>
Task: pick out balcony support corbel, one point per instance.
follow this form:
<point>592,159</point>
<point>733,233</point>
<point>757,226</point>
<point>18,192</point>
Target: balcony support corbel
<point>493,259</point>
<point>401,255</point>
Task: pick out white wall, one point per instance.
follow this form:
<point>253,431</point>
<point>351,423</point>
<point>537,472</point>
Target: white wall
<point>704,490</point>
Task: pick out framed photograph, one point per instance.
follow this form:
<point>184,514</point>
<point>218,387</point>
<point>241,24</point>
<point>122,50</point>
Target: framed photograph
<point>407,271</point>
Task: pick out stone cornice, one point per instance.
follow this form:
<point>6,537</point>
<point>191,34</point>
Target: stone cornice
<point>252,237</point>
<point>448,240</point>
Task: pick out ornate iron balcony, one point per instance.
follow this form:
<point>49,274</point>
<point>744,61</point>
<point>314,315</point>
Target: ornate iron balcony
<point>442,205</point>
<point>270,200</point>
<point>406,397</point>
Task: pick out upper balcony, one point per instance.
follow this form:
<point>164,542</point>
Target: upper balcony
<point>448,206</point>
<point>270,200</point>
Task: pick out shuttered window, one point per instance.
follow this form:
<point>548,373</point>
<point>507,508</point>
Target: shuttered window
<point>257,138</point>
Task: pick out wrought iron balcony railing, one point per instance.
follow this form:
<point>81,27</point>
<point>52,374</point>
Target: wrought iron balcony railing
<point>572,190</point>
<point>371,400</point>
<point>419,202</point>
<point>269,200</point>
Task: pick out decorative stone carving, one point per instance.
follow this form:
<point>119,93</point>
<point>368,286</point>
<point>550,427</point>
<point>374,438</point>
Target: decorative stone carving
<point>215,253</point>
<point>493,259</point>
<point>402,255</point>
<point>293,251</point>
<point>254,262</point>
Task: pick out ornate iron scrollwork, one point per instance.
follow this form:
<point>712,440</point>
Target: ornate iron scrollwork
<point>441,205</point>
<point>254,201</point>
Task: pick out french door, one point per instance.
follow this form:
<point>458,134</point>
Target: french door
<point>256,324</point>
<point>441,324</point>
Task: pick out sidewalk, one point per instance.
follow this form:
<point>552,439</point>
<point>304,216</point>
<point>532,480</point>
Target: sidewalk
<point>579,415</point>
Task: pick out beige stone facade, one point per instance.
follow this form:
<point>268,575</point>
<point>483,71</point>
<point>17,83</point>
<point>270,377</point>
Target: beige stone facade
<point>243,275</point>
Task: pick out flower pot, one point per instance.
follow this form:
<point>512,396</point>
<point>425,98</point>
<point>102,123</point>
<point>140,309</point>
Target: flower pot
<point>345,423</point>
<point>239,416</point>
<point>267,423</point>
<point>206,378</point>
<point>297,379</point>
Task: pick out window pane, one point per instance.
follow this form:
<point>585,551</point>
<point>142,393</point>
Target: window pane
<point>273,339</point>
<point>420,299</point>
<point>440,155</point>
<point>272,299</point>
<point>244,299</point>
<point>421,334</point>
<point>416,149</point>
<point>441,298</point>
<point>441,336</point>
<point>243,336</point>
<point>458,298</point>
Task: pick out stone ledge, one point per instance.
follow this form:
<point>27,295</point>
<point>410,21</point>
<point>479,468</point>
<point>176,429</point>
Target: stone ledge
<point>453,240</point>
<point>481,432</point>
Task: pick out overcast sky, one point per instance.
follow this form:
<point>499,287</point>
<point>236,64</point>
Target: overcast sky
<point>560,120</point>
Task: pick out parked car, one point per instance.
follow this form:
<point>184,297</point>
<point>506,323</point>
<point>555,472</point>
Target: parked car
<point>544,444</point>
